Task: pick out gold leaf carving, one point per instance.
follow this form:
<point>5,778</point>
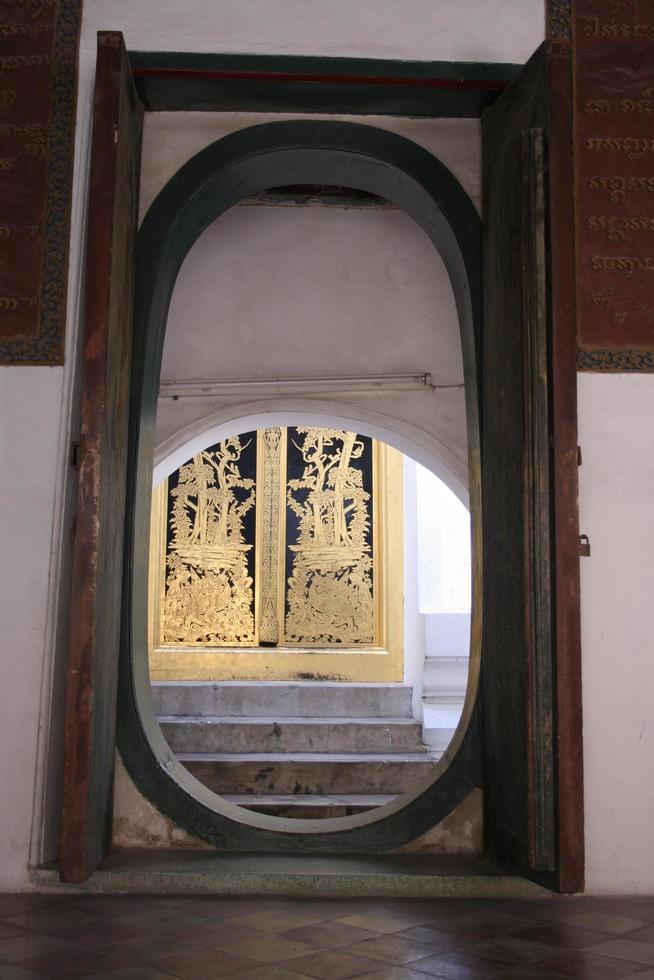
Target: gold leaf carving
<point>209,592</point>
<point>270,505</point>
<point>330,590</point>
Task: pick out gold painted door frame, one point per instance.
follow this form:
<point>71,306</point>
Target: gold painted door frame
<point>301,599</point>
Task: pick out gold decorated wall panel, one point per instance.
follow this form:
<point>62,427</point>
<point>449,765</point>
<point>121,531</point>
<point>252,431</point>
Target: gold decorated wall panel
<point>279,555</point>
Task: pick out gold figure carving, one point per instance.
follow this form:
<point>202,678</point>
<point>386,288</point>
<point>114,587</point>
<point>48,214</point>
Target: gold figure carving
<point>330,590</point>
<point>209,592</point>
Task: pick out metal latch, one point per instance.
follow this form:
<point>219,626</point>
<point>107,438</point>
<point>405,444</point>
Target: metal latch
<point>75,454</point>
<point>584,546</point>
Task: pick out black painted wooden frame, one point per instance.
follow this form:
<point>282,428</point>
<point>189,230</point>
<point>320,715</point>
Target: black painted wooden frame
<point>248,161</point>
<point>175,81</point>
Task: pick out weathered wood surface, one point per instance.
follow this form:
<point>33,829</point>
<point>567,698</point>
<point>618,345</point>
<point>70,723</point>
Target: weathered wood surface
<point>532,734</point>
<point>98,551</point>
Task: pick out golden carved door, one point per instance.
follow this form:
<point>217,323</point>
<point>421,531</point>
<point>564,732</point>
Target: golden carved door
<point>278,554</point>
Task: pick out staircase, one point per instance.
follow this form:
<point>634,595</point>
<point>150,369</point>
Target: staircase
<point>299,749</point>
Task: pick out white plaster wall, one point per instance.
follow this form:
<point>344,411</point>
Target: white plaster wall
<point>172,138</point>
<point>281,291</point>
<point>616,435</point>
<point>414,625</point>
<point>28,448</point>
<point>415,30</point>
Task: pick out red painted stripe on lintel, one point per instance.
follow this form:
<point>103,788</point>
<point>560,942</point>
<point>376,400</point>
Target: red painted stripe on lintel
<point>496,85</point>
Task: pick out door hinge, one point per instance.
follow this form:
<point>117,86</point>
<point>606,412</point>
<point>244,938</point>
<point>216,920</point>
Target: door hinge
<point>584,546</point>
<point>579,460</point>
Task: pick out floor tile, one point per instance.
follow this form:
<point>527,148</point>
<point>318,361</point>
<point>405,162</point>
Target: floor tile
<point>271,949</point>
<point>392,949</point>
<point>446,936</point>
<point>76,963</point>
<point>147,950</point>
<point>626,949</point>
<point>646,934</point>
<point>16,904</point>
<point>205,964</point>
<point>9,971</point>
<point>100,934</point>
<point>577,965</point>
<point>216,933</point>
<point>496,920</point>
<point>394,973</point>
<point>330,935</point>
<point>120,905</point>
<point>455,966</point>
<point>276,920</point>
<point>30,946</point>
<point>209,907</point>
<point>384,920</point>
<point>161,919</point>
<point>509,951</point>
<point>51,920</point>
<point>327,908</point>
<point>270,972</point>
<point>130,973</point>
<point>8,931</point>
<point>332,964</point>
<point>615,925</point>
<point>561,934</point>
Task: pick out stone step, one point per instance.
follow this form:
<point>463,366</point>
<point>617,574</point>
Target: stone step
<point>285,699</point>
<point>310,807</point>
<point>315,774</point>
<point>363,735</point>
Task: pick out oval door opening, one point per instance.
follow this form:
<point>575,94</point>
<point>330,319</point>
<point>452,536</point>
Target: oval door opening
<point>333,337</point>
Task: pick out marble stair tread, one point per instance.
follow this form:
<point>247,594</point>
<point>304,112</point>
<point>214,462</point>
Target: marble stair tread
<point>281,720</point>
<point>266,699</point>
<point>308,773</point>
<point>234,734</point>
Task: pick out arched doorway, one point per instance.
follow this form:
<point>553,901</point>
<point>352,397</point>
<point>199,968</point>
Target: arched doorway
<point>248,161</point>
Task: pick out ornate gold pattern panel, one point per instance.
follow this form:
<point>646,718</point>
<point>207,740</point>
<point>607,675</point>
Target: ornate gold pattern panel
<point>279,555</point>
<point>330,587</point>
<point>209,588</point>
<point>271,452</point>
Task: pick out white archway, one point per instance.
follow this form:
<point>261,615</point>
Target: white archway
<point>244,417</point>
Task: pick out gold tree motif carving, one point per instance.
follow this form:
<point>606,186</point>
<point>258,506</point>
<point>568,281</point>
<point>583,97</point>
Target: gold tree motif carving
<point>330,590</point>
<point>209,591</point>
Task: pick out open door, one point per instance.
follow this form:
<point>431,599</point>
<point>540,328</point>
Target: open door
<point>98,548</point>
<point>531,683</point>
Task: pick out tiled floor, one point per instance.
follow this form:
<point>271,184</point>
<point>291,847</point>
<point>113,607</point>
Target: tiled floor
<point>132,938</point>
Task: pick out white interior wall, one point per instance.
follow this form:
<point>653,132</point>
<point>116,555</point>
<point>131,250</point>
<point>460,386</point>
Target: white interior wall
<point>616,435</point>
<point>271,292</point>
<point>414,625</point>
<point>615,415</point>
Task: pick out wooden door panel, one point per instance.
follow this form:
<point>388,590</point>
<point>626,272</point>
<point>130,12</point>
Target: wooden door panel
<point>531,613</point>
<point>98,548</point>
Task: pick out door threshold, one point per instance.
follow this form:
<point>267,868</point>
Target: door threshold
<point>210,873</point>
